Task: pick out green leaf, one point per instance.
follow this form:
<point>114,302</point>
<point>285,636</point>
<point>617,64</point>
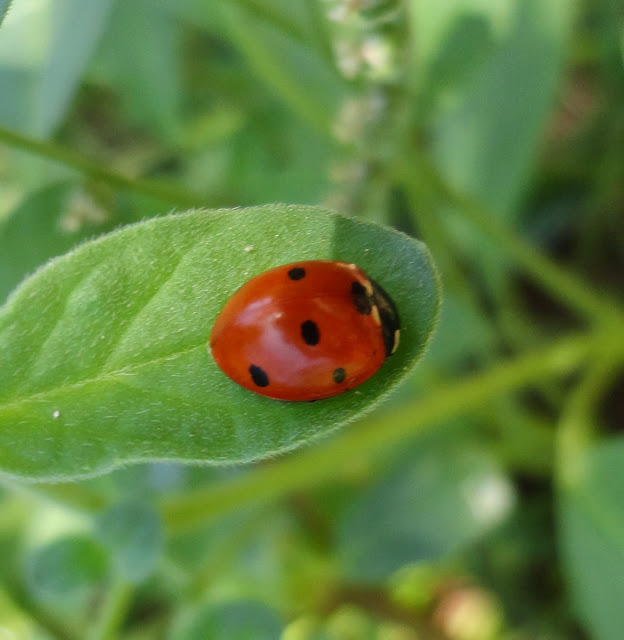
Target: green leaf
<point>442,501</point>
<point>487,142</point>
<point>132,533</point>
<point>20,64</point>
<point>238,620</point>
<point>145,71</point>
<point>44,51</point>
<point>256,175</point>
<point>489,126</point>
<point>103,353</point>
<point>280,62</point>
<point>4,8</point>
<point>66,567</point>
<point>77,26</point>
<point>592,539</point>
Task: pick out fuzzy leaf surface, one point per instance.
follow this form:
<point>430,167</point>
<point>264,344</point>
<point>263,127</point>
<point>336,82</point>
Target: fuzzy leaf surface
<point>103,352</point>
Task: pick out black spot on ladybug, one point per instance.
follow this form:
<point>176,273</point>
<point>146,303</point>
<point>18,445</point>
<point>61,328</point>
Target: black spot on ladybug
<point>339,375</point>
<point>360,299</point>
<point>310,332</point>
<point>296,273</point>
<point>259,376</point>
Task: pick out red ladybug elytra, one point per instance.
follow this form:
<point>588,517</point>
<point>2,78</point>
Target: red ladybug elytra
<point>305,331</point>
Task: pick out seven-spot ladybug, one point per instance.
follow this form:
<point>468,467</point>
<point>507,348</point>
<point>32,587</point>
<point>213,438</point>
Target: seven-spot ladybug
<point>305,331</point>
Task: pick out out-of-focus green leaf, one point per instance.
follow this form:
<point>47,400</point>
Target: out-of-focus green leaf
<point>238,620</point>
<point>591,513</point>
<point>22,52</point>
<point>66,567</point>
<point>103,353</point>
<point>16,623</point>
<point>460,55</point>
<point>490,113</point>
<point>440,502</point>
<point>460,336</point>
<point>486,141</point>
<point>4,7</point>
<point>281,63</point>
<point>132,533</point>
<point>77,27</point>
<point>139,58</point>
<point>43,54</point>
<point>46,224</point>
<point>288,171</point>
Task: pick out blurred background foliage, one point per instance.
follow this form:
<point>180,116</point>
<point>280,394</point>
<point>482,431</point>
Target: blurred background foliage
<point>491,129</point>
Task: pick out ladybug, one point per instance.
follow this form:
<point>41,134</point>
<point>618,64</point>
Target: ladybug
<point>305,331</point>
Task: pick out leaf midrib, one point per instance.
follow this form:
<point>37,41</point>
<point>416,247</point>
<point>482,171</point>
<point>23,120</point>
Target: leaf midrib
<point>111,375</point>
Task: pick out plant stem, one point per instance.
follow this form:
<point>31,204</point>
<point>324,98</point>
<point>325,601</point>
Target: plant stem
<point>14,597</point>
<point>70,495</point>
<point>316,12</point>
<point>265,11</point>
<point>568,288</point>
<point>263,59</point>
<point>223,554</point>
<point>576,428</point>
<point>95,171</point>
<point>324,463</point>
<point>113,611</point>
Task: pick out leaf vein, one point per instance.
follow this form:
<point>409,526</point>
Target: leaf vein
<point>40,348</point>
<point>132,323</point>
<point>112,375</point>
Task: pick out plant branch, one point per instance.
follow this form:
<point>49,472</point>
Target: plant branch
<point>113,612</point>
<point>568,288</point>
<point>324,463</point>
<point>577,424</point>
<point>70,495</point>
<point>95,171</point>
<point>14,595</point>
<point>271,15</point>
<point>264,60</point>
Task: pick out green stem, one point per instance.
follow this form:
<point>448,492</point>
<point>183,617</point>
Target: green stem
<point>72,495</point>
<point>263,59</point>
<point>271,15</point>
<point>577,426</point>
<point>324,463</point>
<point>513,325</point>
<point>95,171</point>
<point>223,554</point>
<point>568,288</point>
<point>15,598</point>
<point>113,612</point>
<point>436,236</point>
<point>316,10</point>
